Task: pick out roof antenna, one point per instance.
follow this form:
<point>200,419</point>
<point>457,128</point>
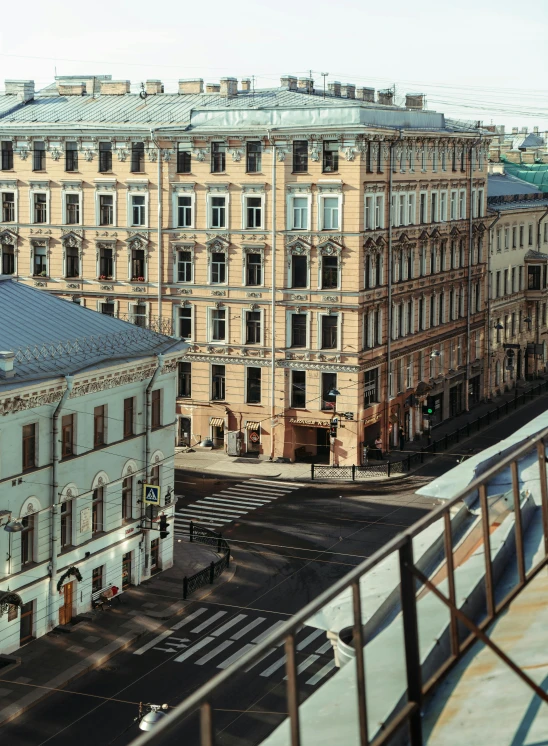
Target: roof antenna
<point>324,75</point>
<point>142,92</point>
<point>252,89</point>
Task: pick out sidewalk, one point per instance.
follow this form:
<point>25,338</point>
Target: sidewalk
<point>54,660</point>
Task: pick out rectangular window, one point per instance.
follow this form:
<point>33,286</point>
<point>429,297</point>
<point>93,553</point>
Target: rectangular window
<point>218,157</point>
<point>8,207</point>
<point>533,277</point>
<point>29,447</point>
<point>253,269</point>
<point>107,309</point>
<point>7,155</point>
<point>254,212</point>
<point>40,208</point>
<point>218,267</point>
<point>71,156</point>
<point>105,157</point>
<point>300,156</point>
<point>300,213</point>
<point>66,524</point>
<point>185,380</point>
<point>184,212</point>
<point>156,408</point>
<point>39,156</point>
<point>330,157</point>
<point>443,207</point>
<point>371,387</point>
<point>137,157</point>
<point>218,325</point>
<point>99,426</point>
<point>253,388</point>
<point>106,209</point>
<point>298,389</point>
<point>530,235</point>
<point>298,330</point>
<point>330,272</point>
<point>185,322</point>
<point>97,579</point>
<point>106,264</point>
<point>299,271</point>
<point>138,213</point>
<point>127,499</point>
<point>27,540</point>
<point>411,209</point>
<point>97,511</point>
<point>184,266</point>
<point>434,207</point>
<point>40,268</point>
<point>218,212</point>
<point>138,265</point>
<point>330,213</point>
<point>129,417</point>
<point>72,206</point>
<point>184,156</point>
<point>329,332</point>
<point>422,207</point>
<point>8,259</point>
<point>253,160</point>
<point>67,436</point>
<point>329,384</point>
<point>462,205</point>
<point>253,327</point>
<point>217,382</point>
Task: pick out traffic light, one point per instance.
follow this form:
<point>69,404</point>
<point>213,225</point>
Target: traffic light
<point>427,410</point>
<point>333,431</point>
<point>164,527</point>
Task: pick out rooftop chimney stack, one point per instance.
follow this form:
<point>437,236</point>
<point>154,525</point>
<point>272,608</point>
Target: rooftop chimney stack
<point>289,82</point>
<point>348,90</point>
<point>71,89</point>
<point>524,130</point>
<point>152,87</point>
<point>213,88</point>
<point>306,85</point>
<point>114,87</point>
<point>414,101</point>
<point>229,87</point>
<point>6,364</point>
<point>515,130</point>
<point>23,89</point>
<point>386,97</point>
<point>191,85</point>
<point>246,84</point>
<point>334,88</point>
<point>366,94</point>
<point>535,130</point>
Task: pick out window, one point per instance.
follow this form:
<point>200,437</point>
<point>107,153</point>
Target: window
<point>218,325</point>
<point>67,436</point>
<point>184,211</point>
<point>71,156</point>
<point>422,207</point>
<point>40,208</point>
<point>462,204</point>
<point>253,269</point>
<point>299,272</point>
<point>139,315</point>
<point>218,212</point>
<point>99,426</point>
<point>254,212</point>
<point>184,266</point>
<point>184,156</point>
<point>330,272</point>
<point>371,387</point>
<point>434,207</point>
<point>66,524</point>
<point>185,322</point>
<point>185,380</point>
<point>218,157</point>
<point>27,540</point>
<point>253,327</point>
<point>138,210</point>
<point>422,314</point>
<point>329,384</point>
<point>129,417</point>
<point>105,156</point>
<point>300,156</point>
<point>127,499</point>
<point>300,213</point>
<point>106,266</point>
<point>138,157</point>
<point>29,447</point>
<point>8,207</point>
<point>156,408</point>
<point>218,267</point>
<point>8,259</point>
<point>330,213</point>
<point>217,382</point>
<point>329,332</point>
<point>253,388</point>
<point>533,278</point>
<point>72,206</point>
<point>97,510</point>
<point>39,156</point>
<point>253,160</point>
<point>330,157</point>
<point>97,579</point>
<point>443,207</point>
<point>530,235</point>
<point>106,209</point>
<point>7,155</point>
<point>298,389</point>
<point>40,268</point>
<point>107,309</point>
<point>374,211</point>
<point>298,330</point>
<point>138,264</point>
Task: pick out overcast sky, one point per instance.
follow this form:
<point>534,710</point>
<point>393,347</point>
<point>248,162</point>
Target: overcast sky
<point>475,59</point>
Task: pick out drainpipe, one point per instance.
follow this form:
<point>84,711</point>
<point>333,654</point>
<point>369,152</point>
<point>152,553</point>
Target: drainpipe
<point>55,527</point>
<point>159,228</point>
<point>389,309</point>
<point>488,328</point>
<point>544,214</point>
<point>146,472</point>
<point>469,282</point>
<point>273,306</point>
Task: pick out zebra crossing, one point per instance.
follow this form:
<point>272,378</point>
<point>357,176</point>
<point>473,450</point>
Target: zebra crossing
<point>231,503</point>
<point>220,638</point>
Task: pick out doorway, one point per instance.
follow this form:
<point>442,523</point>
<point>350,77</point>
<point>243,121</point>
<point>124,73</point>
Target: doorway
<point>27,623</point>
<point>65,611</point>
<point>126,571</point>
<point>323,445</point>
<point>154,556</point>
<point>218,436</point>
<point>184,432</point>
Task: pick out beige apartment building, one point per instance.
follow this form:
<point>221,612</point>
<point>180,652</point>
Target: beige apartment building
<point>325,256</point>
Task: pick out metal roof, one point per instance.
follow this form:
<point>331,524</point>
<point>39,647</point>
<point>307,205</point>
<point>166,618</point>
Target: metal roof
<point>52,337</point>
<point>521,204</point>
<point>499,185</point>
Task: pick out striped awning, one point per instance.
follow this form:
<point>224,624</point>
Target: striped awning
<point>252,425</point>
<point>217,421</point>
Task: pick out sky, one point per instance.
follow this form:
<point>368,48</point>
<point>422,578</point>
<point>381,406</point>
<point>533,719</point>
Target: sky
<point>475,59</point>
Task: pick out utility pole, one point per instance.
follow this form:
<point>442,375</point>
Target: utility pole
<point>324,75</point>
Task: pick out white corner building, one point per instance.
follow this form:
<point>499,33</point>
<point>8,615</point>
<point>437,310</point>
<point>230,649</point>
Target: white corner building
<point>87,408</point>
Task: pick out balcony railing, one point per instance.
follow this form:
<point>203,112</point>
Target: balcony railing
<point>420,656</point>
<point>162,326</point>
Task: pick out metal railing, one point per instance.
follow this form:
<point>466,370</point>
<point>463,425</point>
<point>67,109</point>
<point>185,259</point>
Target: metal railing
<point>462,631</point>
<point>209,574</point>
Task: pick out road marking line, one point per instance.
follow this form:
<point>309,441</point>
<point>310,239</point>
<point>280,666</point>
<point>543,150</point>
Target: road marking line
<point>229,624</point>
<point>193,649</point>
<point>226,511</point>
<point>210,517</point>
<point>260,489</point>
<point>265,634</point>
<point>306,664</point>
<point>304,643</point>
<point>235,496</point>
<point>189,618</point>
<point>247,628</point>
<point>325,647</point>
<point>219,501</point>
<point>261,659</point>
<point>238,654</point>
<point>219,649</point>
<point>209,622</point>
<point>291,485</point>
<point>152,643</point>
<point>247,495</point>
<point>274,667</point>
<point>321,673</point>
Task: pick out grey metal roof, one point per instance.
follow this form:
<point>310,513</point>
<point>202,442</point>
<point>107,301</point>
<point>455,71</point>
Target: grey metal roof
<point>521,204</point>
<point>52,337</point>
<point>499,185</point>
<point>533,141</point>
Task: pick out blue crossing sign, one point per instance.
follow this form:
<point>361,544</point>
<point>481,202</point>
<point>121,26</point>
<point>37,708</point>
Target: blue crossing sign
<point>151,494</point>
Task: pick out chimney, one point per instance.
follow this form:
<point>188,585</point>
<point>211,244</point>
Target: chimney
<point>386,97</point>
<point>289,82</point>
<point>414,101</point>
<point>6,364</point>
<point>306,85</point>
<point>334,88</point>
<point>75,89</point>
<point>348,90</point>
<point>246,84</point>
<point>524,130</point>
<point>229,87</point>
<point>152,87</point>
<point>114,87</point>
<point>535,130</point>
<point>515,130</point>
<point>191,85</point>
<point>23,89</point>
<point>366,94</point>
<point>213,88</point>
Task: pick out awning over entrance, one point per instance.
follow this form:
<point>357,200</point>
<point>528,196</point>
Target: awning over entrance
<point>252,425</point>
<point>7,599</point>
<point>217,421</point>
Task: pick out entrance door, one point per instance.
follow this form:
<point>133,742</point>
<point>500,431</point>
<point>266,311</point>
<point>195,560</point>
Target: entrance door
<point>323,445</point>
<point>65,611</point>
<point>126,571</point>
<point>184,432</point>
<point>27,623</point>
<point>218,436</point>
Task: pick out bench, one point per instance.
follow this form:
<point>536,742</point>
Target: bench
<point>99,600</point>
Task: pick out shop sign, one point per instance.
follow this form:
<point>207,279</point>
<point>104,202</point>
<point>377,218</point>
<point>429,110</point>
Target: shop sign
<point>312,423</point>
<point>254,436</point>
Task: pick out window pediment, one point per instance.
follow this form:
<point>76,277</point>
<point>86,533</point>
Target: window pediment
<point>218,244</point>
<point>8,238</point>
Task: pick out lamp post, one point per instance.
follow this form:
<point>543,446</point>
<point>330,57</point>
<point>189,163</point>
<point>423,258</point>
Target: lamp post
<point>152,717</point>
<point>12,527</point>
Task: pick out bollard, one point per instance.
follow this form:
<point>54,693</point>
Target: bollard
<point>212,572</point>
<point>312,472</point>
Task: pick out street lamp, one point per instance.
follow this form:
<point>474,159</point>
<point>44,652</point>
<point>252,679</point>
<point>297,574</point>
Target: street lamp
<point>435,353</point>
<point>499,326</point>
<point>12,527</point>
<point>154,715</point>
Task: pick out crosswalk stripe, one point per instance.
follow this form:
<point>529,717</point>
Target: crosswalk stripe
<point>152,643</point>
<point>206,516</point>
<point>229,624</point>
<point>325,647</point>
<point>259,490</point>
<point>245,496</point>
<point>212,653</point>
<point>236,496</point>
<point>251,494</point>
<point>312,636</point>
<point>219,501</point>
<point>265,634</point>
<point>274,667</point>
<point>193,514</point>
<point>321,673</point>
<point>261,659</point>
<point>291,485</point>
<point>189,618</point>
<point>306,664</point>
<point>234,657</point>
<point>248,627</point>
<point>198,646</point>
<point>225,511</point>
<point>209,622</point>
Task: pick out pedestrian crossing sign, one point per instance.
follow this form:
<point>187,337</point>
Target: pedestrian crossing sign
<point>151,494</point>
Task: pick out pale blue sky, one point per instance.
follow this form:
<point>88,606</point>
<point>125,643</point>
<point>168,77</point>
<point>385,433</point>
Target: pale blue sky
<point>475,59</point>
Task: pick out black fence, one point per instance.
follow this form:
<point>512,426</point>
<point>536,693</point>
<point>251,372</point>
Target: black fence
<point>435,447</point>
<point>203,535</point>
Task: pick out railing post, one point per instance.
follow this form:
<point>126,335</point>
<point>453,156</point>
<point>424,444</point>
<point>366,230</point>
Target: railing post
<point>518,524</point>
<point>191,529</point>
<point>353,472</point>
<point>449,563</point>
<point>388,469</point>
<point>185,587</point>
<point>206,725</point>
<point>219,543</point>
<point>411,640</point>
<point>211,572</point>
<point>228,558</point>
<point>312,472</point>
<point>357,636</point>
<point>292,690</point>
<point>489,587</point>
<point>541,452</point>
